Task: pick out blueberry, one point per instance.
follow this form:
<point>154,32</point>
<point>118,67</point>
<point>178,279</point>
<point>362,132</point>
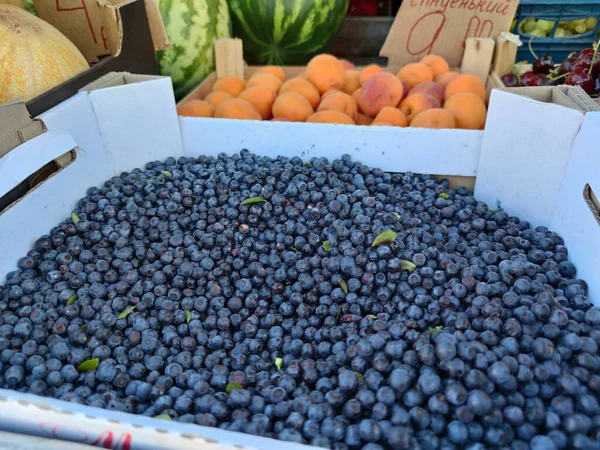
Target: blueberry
<point>369,430</point>
<point>458,432</point>
<point>479,402</point>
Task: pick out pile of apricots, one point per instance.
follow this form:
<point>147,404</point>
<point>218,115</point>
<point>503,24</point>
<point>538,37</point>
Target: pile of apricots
<point>331,90</point>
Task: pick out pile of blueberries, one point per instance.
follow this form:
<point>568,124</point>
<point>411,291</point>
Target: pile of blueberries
<point>321,302</point>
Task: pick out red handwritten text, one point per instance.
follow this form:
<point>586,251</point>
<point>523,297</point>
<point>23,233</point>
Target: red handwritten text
<point>482,6</point>
<point>87,15</point>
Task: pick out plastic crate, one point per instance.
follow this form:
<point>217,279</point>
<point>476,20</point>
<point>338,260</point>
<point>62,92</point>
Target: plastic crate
<point>556,11</point>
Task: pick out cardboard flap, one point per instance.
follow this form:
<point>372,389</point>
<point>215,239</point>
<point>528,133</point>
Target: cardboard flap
<point>424,27</point>
<point>95,27</point>
<point>577,214</point>
<point>524,154</point>
<point>113,79</point>
<point>24,160</point>
<point>568,96</point>
<point>136,113</point>
<point>16,126</point>
<point>157,27</point>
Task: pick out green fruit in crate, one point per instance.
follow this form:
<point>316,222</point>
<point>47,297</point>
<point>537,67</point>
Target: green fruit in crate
<point>192,27</point>
<point>537,32</point>
<point>591,23</point>
<point>527,26</point>
<point>284,32</point>
<point>544,25</point>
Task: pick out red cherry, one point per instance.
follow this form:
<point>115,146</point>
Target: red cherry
<point>586,52</point>
<point>531,79</point>
<point>565,66</point>
<point>582,63</point>
<point>596,66</point>
<point>581,78</point>
<point>596,89</point>
<point>543,64</point>
<point>510,80</point>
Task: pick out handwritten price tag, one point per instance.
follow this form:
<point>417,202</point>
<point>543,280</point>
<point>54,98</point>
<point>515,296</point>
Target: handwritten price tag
<point>424,27</point>
<point>91,25</point>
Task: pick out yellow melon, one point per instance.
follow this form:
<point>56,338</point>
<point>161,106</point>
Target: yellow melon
<point>34,56</point>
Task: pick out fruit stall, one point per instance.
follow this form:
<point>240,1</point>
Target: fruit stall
<point>343,224</point>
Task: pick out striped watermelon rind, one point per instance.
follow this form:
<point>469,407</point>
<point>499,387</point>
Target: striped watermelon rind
<point>284,32</point>
<point>30,7</point>
<point>192,27</point>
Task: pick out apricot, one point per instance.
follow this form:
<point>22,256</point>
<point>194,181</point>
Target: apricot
<point>292,106</point>
<point>265,79</point>
<point>356,96</point>
<point>304,88</point>
<point>445,79</point>
<point>434,118</point>
<point>273,70</point>
<point>325,72</point>
<point>339,101</point>
<point>215,98</point>
<point>429,88</point>
<point>362,119</point>
<point>330,117</point>
<point>196,108</point>
<point>232,85</point>
<point>369,71</point>
<point>405,90</point>
<point>262,98</point>
<point>236,108</point>
<point>414,104</point>
<point>437,64</point>
<point>382,89</point>
<point>467,109</point>
<point>466,83</point>
<point>346,64</point>
<point>380,124</point>
<point>351,81</point>
<point>415,73</point>
<point>391,115</point>
<point>328,93</point>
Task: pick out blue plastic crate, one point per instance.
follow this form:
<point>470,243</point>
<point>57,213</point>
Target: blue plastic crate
<point>556,11</point>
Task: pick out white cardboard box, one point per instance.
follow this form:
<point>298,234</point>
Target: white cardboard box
<point>118,128</point>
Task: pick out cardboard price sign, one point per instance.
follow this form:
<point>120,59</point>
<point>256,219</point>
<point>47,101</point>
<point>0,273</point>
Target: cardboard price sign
<point>95,27</point>
<point>440,27</point>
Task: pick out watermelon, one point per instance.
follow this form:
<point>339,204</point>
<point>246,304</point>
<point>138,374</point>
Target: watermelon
<point>30,7</point>
<point>192,27</point>
<point>286,32</point>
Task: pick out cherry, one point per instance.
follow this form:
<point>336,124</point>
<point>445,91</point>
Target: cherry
<point>543,64</point>
<point>596,90</point>
<point>581,78</point>
<point>586,52</point>
<point>531,79</point>
<point>565,66</point>
<point>510,80</point>
<point>596,66</point>
<point>582,63</point>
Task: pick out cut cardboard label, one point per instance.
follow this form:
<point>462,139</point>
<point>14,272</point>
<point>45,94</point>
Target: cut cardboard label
<point>95,27</point>
<point>16,126</point>
<point>440,27</point>
<point>92,25</point>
